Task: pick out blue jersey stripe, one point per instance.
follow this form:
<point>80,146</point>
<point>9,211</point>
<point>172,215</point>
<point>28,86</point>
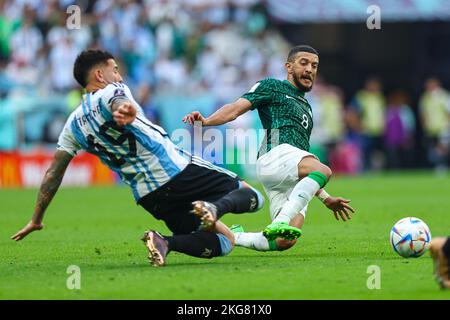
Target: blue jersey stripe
<point>95,128</point>
<point>85,145</point>
<point>108,116</point>
<point>125,177</point>
<point>79,135</point>
<point>158,150</point>
<point>141,162</point>
<point>104,111</point>
<point>129,179</point>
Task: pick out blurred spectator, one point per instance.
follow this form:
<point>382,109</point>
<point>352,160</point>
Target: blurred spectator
<point>144,98</point>
<point>62,56</point>
<point>73,99</point>
<point>27,40</point>
<point>241,9</point>
<point>58,32</point>
<point>140,51</point>
<point>8,25</point>
<point>369,104</point>
<point>434,109</point>
<point>26,43</point>
<point>328,110</point>
<point>6,83</point>
<point>399,134</point>
<point>53,127</point>
<point>195,54</point>
<point>223,46</point>
<point>346,158</point>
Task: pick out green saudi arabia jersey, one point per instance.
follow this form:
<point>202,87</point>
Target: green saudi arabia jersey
<point>281,106</point>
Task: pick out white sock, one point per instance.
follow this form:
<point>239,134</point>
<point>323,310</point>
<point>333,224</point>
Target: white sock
<point>252,240</point>
<point>302,194</point>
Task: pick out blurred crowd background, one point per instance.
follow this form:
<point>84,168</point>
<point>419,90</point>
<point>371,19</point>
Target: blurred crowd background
<point>381,101</point>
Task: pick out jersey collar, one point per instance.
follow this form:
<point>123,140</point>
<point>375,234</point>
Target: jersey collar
<point>300,93</point>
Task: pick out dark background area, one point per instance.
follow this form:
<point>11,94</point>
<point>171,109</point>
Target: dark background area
<point>401,54</point>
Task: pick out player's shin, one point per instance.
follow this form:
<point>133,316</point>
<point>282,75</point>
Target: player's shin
<point>201,244</point>
<point>255,241</point>
<point>301,195</point>
<point>239,201</point>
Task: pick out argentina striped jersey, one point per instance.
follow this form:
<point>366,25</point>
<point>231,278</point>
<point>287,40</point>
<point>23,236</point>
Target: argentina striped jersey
<point>141,152</point>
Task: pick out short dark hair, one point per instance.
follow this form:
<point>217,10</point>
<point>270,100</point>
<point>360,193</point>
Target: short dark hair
<point>300,48</point>
<point>85,61</point>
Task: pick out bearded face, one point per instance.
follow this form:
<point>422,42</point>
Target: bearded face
<point>303,70</point>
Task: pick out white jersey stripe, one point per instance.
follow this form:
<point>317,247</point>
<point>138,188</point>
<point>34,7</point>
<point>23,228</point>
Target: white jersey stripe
<point>203,163</point>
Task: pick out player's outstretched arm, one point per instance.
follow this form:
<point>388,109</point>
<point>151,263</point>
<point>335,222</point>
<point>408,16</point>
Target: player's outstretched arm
<point>227,113</point>
<point>49,186</point>
<point>338,205</point>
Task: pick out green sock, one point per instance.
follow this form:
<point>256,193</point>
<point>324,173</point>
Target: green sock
<point>273,245</point>
<point>319,177</point>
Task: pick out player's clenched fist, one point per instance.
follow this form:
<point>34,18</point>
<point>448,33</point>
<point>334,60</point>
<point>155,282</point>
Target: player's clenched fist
<point>192,117</point>
<point>124,114</point>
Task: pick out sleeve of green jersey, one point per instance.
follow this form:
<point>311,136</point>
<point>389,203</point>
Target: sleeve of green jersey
<point>259,94</point>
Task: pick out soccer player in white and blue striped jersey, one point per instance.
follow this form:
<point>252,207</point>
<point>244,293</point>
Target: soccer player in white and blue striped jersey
<point>186,192</point>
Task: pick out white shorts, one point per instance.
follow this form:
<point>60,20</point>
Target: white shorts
<point>277,170</point>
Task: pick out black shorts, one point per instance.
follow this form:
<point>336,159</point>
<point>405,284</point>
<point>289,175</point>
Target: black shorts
<point>172,202</point>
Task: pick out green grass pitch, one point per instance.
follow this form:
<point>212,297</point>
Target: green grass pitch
<point>99,230</point>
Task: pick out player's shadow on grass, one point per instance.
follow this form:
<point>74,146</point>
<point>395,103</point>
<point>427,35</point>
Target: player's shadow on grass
<point>309,255</point>
<point>269,255</point>
<point>193,264</point>
<point>146,265</point>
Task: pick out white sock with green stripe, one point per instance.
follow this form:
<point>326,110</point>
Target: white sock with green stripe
<point>254,240</point>
<point>302,194</point>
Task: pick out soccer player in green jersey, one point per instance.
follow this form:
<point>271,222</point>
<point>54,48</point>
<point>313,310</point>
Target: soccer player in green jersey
<point>291,176</point>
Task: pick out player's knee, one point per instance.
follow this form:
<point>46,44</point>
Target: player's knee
<point>321,174</point>
<point>311,165</point>
<point>326,171</point>
<point>323,170</point>
<point>259,196</point>
<point>232,241</point>
<point>283,244</point>
<point>260,199</point>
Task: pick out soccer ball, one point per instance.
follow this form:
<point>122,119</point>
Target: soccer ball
<point>410,237</point>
